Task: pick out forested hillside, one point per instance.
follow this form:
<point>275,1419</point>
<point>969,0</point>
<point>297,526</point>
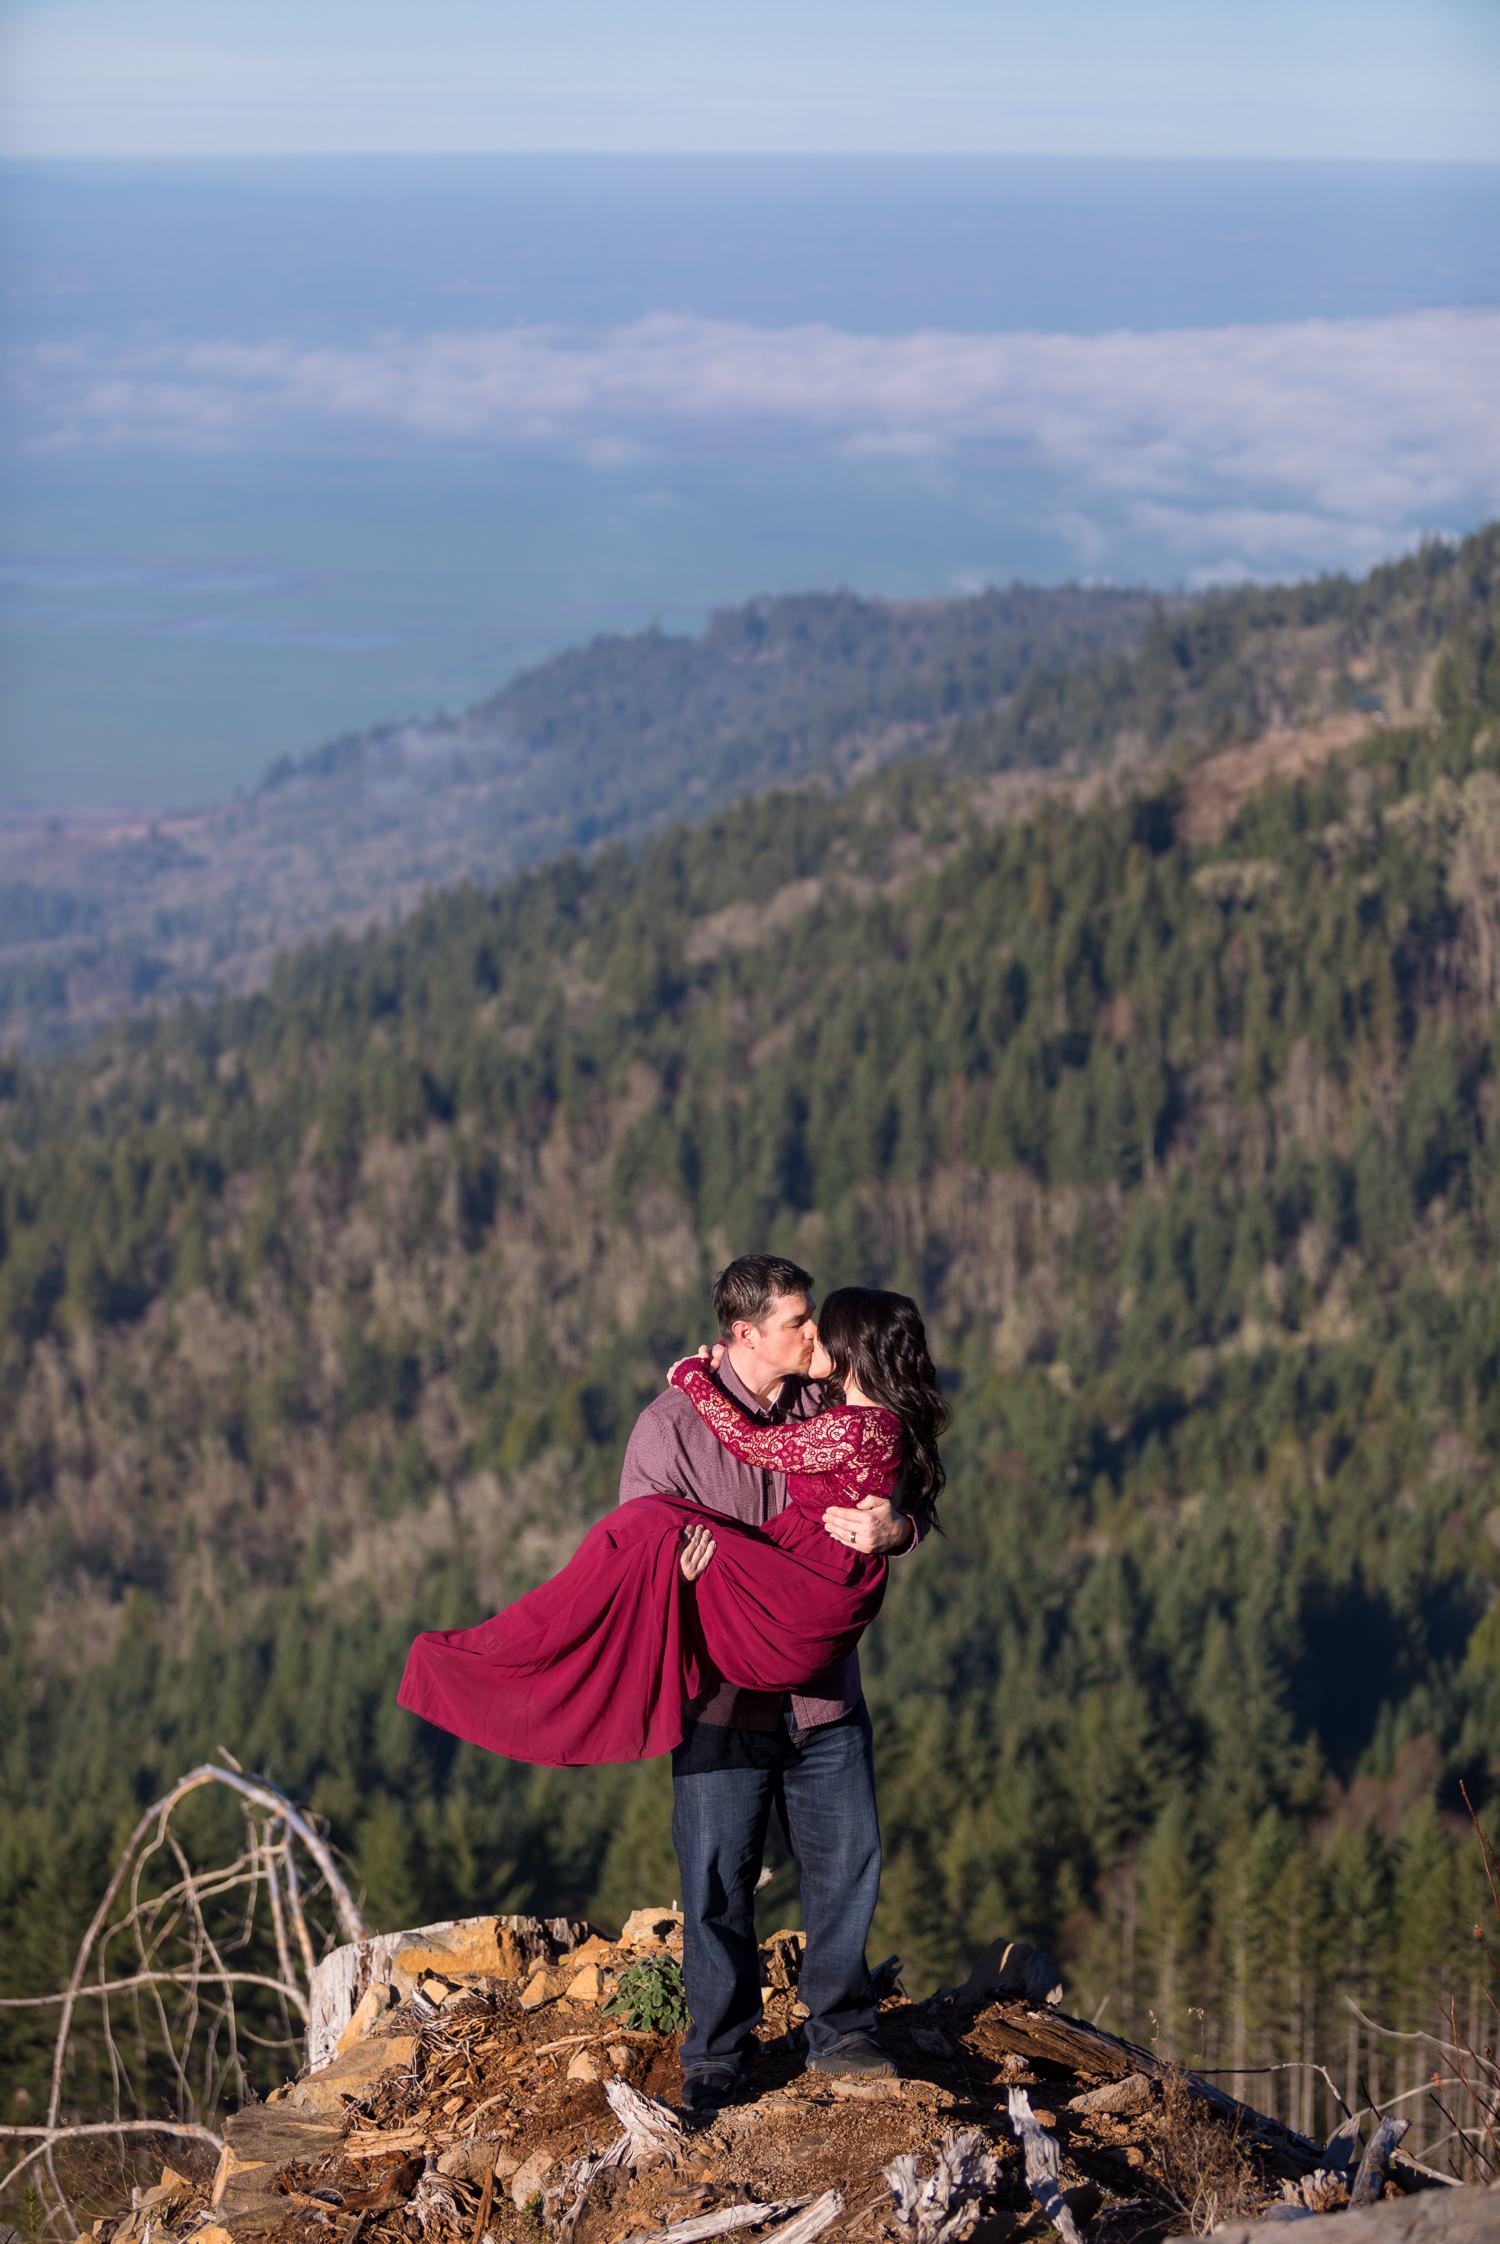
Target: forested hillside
<point>104,913</point>
<point>107,913</point>
<point>325,1314</point>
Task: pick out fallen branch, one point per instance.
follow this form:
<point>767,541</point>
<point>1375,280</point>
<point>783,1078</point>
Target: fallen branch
<point>1371,2174</point>
<point>804,2226</point>
<point>1043,2166</point>
<point>719,2224</point>
<point>651,2130</point>
<point>1341,2151</point>
<point>1050,2038</point>
<point>947,2205</point>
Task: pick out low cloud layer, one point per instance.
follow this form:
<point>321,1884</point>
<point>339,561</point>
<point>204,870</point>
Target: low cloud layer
<point>1330,439</point>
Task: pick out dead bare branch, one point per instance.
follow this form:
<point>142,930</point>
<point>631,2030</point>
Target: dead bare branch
<point>54,2135</point>
<point>180,1951</point>
<point>139,1979</point>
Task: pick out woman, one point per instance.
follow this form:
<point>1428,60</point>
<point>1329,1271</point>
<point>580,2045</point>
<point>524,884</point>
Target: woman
<point>594,1664</point>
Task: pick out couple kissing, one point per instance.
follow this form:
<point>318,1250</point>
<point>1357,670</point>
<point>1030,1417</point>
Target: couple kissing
<point>811,1440</point>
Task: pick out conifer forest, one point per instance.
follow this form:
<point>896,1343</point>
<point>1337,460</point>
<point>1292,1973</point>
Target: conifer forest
<point>1142,1018</point>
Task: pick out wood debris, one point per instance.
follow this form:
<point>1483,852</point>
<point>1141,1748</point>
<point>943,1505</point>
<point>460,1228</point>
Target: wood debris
<point>946,2206</point>
<point>499,2122</point>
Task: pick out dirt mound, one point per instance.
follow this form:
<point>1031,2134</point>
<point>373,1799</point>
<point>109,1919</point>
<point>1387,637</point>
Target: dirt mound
<point>528,2109</point>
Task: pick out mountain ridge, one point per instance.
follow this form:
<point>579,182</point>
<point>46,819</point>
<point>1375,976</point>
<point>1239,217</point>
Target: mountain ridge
<point>104,913</point>
<point>109,914</point>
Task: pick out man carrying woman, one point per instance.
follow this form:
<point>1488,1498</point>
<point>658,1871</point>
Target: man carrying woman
<point>732,1646</point>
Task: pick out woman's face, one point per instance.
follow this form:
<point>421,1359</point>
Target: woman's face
<point>821,1366</point>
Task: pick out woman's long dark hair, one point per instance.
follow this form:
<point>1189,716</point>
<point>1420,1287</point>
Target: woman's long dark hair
<point>879,1341</point>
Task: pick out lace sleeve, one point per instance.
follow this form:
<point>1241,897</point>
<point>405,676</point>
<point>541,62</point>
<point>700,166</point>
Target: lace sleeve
<point>828,1444</point>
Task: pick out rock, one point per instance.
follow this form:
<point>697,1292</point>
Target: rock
<point>620,2054</point>
<point>430,1994</point>
<point>651,1928</point>
<point>595,1950</point>
<point>585,1986</point>
<point>585,2066</point>
<point>1083,2201</point>
<point>215,2233</point>
<point>373,2003</point>
<point>544,1986</point>
<point>1121,2098</point>
<point>530,2178</point>
<point>928,2093</point>
<point>476,2161</point>
<point>351,2074</point>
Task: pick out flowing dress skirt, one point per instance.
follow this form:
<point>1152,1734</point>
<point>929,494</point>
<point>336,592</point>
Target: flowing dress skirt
<point>594,1664</point>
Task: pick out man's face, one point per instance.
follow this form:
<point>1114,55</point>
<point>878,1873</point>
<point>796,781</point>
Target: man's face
<point>785,1339</point>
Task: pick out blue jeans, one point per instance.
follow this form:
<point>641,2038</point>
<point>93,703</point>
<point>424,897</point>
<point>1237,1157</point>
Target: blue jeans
<point>822,1784</point>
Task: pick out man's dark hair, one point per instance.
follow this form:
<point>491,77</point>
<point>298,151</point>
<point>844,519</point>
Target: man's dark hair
<point>746,1288</point>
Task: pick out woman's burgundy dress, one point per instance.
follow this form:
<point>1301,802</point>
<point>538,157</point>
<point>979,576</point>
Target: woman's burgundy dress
<point>594,1664</point>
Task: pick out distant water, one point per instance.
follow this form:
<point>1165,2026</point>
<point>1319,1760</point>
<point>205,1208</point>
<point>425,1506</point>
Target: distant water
<point>295,445</point>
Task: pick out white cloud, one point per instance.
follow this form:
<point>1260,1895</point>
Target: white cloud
<point>894,444</point>
<point>1240,446</point>
<point>1263,541</point>
<point>614,451</point>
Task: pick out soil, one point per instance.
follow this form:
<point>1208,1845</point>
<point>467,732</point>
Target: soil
<point>489,2073</point>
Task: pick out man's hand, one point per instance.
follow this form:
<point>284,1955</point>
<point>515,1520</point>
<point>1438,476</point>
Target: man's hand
<point>698,1547</point>
<point>873,1524</point>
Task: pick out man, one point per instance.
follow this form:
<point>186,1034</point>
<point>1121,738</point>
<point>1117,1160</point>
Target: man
<point>805,1752</point>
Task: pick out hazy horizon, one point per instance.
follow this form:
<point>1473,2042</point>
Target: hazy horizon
<point>294,445</point>
<point>1306,79</point>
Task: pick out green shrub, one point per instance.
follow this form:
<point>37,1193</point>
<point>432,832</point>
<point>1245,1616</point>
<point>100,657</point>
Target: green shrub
<point>650,1996</point>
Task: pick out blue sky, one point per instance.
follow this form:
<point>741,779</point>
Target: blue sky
<point>1413,79</point>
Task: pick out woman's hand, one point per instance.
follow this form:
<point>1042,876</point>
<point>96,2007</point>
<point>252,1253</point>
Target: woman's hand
<point>698,1548</point>
<point>708,1359</point>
